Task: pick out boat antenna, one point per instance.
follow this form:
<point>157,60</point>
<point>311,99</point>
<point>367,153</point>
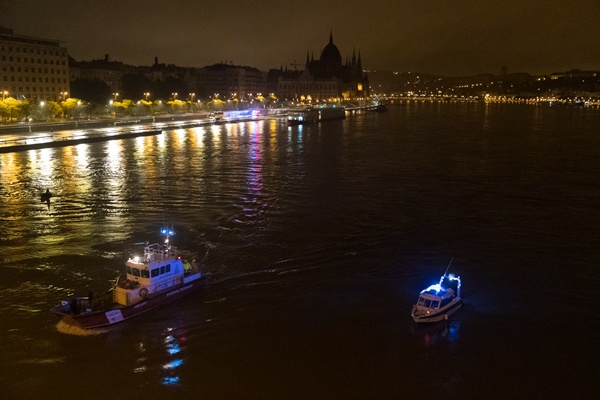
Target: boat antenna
<point>446,273</point>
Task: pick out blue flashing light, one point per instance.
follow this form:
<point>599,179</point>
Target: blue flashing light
<point>173,349</point>
<point>173,364</point>
<point>170,380</point>
<point>437,288</point>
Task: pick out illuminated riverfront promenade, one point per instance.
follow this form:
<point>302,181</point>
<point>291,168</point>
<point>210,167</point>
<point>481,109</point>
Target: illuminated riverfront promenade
<point>18,138</point>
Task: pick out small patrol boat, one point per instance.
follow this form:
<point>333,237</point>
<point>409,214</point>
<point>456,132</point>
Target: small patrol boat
<point>158,277</point>
<point>439,301</point>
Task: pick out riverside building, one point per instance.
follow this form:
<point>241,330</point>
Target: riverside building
<point>33,68</point>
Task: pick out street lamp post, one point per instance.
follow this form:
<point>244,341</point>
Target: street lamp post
<point>116,94</point>
<point>43,110</point>
<point>111,103</point>
<point>192,101</point>
<point>174,96</point>
<point>147,94</point>
<point>4,94</point>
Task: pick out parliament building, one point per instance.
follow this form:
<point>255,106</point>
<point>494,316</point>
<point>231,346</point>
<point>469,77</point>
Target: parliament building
<point>325,79</point>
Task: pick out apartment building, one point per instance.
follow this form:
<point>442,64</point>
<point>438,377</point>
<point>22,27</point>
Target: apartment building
<point>33,68</point>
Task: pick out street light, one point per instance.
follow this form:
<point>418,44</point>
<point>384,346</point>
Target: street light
<point>63,95</point>
<point>174,95</point>
<point>147,94</point>
<point>192,96</point>
<point>116,94</point>
<point>4,94</point>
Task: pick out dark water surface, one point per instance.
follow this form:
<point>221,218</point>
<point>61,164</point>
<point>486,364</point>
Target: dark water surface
<point>316,241</point>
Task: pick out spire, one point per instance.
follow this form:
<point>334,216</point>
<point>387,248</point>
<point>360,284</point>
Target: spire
<point>307,58</point>
<point>359,63</point>
<point>331,36</point>
<point>353,56</point>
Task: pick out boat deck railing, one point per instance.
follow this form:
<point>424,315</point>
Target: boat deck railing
<point>158,251</point>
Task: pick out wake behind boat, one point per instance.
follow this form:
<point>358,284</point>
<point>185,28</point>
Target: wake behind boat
<point>159,277</point>
<point>439,301</point>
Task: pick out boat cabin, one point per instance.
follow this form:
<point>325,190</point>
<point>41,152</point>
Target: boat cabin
<point>157,271</point>
<point>435,300</point>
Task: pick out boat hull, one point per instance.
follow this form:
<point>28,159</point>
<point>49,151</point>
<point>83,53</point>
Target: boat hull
<point>442,315</point>
<point>116,314</point>
<point>315,115</point>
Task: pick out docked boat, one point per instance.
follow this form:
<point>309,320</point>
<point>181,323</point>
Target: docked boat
<point>439,301</point>
<point>378,107</point>
<point>315,114</point>
<point>158,277</point>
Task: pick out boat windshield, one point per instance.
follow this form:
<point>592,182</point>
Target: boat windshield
<point>428,303</point>
<point>144,273</point>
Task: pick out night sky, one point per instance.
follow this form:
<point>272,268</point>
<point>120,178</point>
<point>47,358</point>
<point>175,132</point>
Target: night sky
<point>446,37</point>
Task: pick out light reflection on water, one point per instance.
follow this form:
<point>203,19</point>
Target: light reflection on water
<point>172,348</point>
<point>436,334</point>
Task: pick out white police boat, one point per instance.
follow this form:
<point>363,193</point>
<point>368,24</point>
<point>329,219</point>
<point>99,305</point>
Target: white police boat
<point>439,301</point>
<point>158,277</point>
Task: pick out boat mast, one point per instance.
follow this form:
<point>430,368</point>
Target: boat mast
<point>446,273</point>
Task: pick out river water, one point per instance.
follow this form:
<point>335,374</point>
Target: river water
<point>316,241</point>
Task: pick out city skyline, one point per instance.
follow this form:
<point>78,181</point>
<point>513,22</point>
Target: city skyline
<point>442,37</point>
